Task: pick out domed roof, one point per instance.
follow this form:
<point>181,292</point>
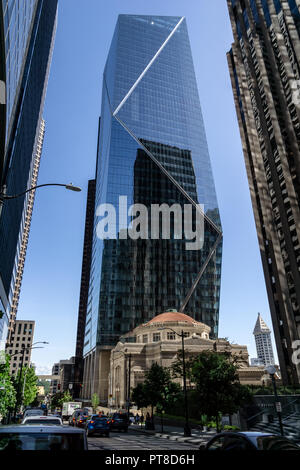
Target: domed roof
<point>172,317</point>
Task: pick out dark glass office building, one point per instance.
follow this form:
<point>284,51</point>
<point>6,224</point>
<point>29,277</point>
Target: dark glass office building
<point>27,38</point>
<point>152,149</point>
<point>264,64</point>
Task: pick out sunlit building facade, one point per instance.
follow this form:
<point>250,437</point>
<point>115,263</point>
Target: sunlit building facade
<point>264,65</point>
<point>26,43</point>
<point>152,149</point>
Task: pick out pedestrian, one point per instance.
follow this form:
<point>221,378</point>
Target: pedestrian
<point>137,418</point>
<point>142,419</point>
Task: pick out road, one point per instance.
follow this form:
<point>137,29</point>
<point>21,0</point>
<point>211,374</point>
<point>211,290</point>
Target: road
<point>134,440</point>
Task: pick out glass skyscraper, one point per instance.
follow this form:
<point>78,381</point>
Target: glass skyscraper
<point>27,30</point>
<point>152,149</point>
<point>264,64</point>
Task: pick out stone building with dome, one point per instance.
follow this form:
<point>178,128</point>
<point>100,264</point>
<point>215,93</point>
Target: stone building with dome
<point>156,342</point>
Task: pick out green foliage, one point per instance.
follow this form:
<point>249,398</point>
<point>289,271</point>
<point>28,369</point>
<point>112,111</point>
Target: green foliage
<point>263,391</point>
<point>95,401</point>
<point>139,396</point>
<point>230,428</point>
<point>45,384</point>
<point>8,394</point>
<point>217,385</point>
<point>30,389</point>
<point>59,398</point>
<point>158,389</point>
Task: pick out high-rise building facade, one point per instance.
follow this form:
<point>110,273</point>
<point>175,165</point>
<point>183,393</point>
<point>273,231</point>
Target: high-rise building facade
<point>24,234</point>
<point>264,64</point>
<point>21,337</point>
<point>84,286</point>
<point>152,149</point>
<point>54,382</point>
<point>263,342</point>
<point>27,40</point>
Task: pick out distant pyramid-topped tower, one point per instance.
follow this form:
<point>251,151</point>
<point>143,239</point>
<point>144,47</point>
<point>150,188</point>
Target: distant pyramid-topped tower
<point>263,342</point>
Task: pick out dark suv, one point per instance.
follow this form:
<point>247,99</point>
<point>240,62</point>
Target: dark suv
<point>119,421</point>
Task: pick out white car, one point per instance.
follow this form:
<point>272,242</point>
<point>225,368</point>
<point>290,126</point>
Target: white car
<point>48,420</point>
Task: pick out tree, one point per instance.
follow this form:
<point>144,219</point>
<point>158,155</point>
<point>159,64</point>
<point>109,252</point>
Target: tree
<point>158,390</point>
<point>95,401</point>
<point>7,390</point>
<point>46,384</point>
<point>26,385</point>
<point>30,389</point>
<point>217,384</point>
<point>139,396</point>
<point>59,398</point>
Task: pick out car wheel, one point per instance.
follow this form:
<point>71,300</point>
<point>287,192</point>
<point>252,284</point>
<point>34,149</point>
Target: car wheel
<point>125,429</point>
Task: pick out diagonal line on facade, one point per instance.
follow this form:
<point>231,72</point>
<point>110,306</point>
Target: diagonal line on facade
<point>147,67</point>
<point>171,178</point>
<point>186,195</point>
<point>197,206</point>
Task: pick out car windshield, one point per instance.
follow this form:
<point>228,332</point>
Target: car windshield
<point>41,441</point>
<point>34,413</point>
<point>275,443</point>
<point>40,421</point>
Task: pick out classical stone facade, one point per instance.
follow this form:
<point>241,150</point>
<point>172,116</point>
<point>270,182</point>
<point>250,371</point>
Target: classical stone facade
<point>155,342</point>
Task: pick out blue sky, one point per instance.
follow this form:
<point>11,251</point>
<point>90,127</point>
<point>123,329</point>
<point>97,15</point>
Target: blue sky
<point>51,283</point>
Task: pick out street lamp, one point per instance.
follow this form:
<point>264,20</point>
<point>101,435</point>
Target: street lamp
<point>129,377</point>
<point>272,371</point>
<point>187,428</point>
<point>21,369</point>
<point>70,187</point>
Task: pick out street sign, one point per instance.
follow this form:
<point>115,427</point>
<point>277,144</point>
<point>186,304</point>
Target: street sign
<point>278,407</point>
<point>70,386</point>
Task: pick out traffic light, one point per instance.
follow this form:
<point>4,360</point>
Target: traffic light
<point>58,386</point>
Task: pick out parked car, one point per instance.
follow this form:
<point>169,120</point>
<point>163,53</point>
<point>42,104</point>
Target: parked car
<point>97,425</point>
<point>119,421</point>
<point>37,420</point>
<point>239,441</point>
<point>53,438</point>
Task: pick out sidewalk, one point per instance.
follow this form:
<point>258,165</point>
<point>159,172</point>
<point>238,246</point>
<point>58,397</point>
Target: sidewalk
<point>174,433</point>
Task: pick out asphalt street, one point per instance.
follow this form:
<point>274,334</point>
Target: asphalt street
<point>136,441</point>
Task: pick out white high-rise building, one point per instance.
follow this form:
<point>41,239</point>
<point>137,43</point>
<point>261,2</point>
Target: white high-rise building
<point>263,342</point>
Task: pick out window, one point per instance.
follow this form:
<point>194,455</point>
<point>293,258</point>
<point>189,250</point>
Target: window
<point>217,444</point>
<point>19,328</point>
<point>171,335</point>
<point>156,337</point>
<point>25,329</point>
<point>145,338</point>
<point>186,334</point>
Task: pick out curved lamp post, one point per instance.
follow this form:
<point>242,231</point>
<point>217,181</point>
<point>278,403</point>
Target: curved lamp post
<point>272,371</point>
<point>187,428</point>
<point>21,369</point>
<point>70,186</point>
